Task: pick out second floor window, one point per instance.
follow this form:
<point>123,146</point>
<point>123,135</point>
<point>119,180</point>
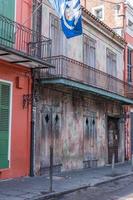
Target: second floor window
<point>55,34</point>
<point>98,12</point>
<point>111,63</point>
<point>129,65</point>
<point>89,51</point>
<point>111,66</point>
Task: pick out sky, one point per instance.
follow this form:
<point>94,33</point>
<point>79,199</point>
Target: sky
<point>130,1</point>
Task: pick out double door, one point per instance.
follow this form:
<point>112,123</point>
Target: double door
<point>50,135</point>
<point>90,138</point>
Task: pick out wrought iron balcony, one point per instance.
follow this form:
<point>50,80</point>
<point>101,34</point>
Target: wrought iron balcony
<point>20,40</point>
<point>69,69</point>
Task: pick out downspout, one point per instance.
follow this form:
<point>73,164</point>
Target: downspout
<point>126,108</point>
<point>124,34</point>
<point>33,115</point>
<point>125,77</point>
<point>29,111</point>
<point>32,139</point>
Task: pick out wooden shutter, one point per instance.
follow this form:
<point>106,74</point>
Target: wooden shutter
<point>85,49</point>
<point>111,63</point>
<point>92,56</point>
<point>55,35</point>
<point>7,9</point>
<point>89,51</point>
<point>4,124</point>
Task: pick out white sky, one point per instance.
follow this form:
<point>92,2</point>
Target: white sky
<point>130,1</point>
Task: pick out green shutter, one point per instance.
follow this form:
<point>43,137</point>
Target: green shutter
<point>4,124</point>
<point>7,9</point>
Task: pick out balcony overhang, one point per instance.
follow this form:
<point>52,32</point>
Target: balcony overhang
<point>90,89</point>
<point>15,57</point>
<point>23,46</point>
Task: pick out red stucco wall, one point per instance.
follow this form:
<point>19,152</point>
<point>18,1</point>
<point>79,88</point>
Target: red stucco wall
<point>20,121</point>
<point>23,12</point>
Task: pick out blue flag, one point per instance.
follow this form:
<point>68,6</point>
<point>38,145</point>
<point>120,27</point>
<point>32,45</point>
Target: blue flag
<point>71,18</point>
<point>69,12</point>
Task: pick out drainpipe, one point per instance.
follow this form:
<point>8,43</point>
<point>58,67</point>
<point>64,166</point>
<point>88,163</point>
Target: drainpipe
<point>124,74</point>
<point>126,108</point>
<point>32,147</point>
<point>124,34</point>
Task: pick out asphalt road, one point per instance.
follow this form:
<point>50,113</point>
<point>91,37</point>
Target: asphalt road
<point>118,190</point>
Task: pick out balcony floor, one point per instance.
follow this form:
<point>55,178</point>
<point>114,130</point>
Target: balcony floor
<point>89,89</point>
<point>16,57</point>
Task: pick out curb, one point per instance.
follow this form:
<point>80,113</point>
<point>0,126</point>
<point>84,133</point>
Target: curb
<point>112,179</point>
<point>57,194</point>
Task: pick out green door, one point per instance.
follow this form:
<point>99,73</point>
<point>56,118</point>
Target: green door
<point>4,124</point>
<point>7,9</point>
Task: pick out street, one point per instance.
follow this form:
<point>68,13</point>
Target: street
<point>118,190</point>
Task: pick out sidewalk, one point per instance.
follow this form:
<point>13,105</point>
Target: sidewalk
<point>38,187</point>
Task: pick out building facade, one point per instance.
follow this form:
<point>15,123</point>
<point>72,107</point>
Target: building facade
<point>18,47</point>
<point>15,82</point>
<point>80,106</point>
<point>119,16</point>
<point>110,12</point>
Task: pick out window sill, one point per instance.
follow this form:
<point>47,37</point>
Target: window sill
<point>3,170</point>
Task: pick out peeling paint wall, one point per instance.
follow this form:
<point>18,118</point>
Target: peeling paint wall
<point>76,123</point>
<point>66,117</point>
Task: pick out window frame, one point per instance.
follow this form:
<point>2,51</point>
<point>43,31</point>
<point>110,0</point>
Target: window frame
<point>113,56</point>
<point>10,119</point>
<point>57,50</point>
<point>88,44</point>
<point>94,9</point>
<point>129,64</point>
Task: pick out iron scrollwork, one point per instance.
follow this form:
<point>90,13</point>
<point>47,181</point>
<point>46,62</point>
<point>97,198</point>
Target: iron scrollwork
<point>27,100</point>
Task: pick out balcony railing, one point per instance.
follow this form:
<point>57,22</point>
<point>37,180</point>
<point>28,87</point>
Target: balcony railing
<point>22,39</point>
<point>73,70</point>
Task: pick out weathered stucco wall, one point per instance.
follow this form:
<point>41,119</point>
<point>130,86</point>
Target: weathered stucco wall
<point>76,123</point>
<point>65,116</point>
<point>102,44</point>
<point>73,48</point>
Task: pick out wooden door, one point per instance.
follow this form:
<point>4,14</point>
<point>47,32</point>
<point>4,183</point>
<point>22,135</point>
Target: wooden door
<point>90,138</point>
<point>113,138</point>
<point>50,135</point>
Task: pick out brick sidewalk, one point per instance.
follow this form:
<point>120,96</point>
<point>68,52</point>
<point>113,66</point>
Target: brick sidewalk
<point>38,187</point>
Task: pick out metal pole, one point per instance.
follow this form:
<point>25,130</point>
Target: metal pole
<point>32,128</point>
<point>51,169</point>
<point>132,163</point>
<point>113,163</point>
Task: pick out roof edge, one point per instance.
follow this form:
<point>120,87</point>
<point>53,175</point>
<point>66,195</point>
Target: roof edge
<point>103,26</point>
